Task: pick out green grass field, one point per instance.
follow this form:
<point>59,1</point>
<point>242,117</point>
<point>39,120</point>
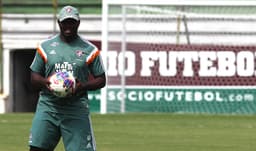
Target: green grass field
<point>149,132</point>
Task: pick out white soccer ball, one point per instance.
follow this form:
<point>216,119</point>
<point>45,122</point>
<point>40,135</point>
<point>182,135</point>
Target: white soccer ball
<point>57,83</point>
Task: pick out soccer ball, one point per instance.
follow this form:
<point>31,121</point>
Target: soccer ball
<point>57,83</point>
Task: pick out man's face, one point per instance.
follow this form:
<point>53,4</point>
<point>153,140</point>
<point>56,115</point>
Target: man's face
<point>68,27</point>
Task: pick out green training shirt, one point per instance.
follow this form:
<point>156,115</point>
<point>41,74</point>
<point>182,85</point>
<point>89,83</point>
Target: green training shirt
<point>79,57</point>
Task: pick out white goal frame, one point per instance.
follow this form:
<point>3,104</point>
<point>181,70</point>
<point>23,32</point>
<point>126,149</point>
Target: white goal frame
<point>105,11</point>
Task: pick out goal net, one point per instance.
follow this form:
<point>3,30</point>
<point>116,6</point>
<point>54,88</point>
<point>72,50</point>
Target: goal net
<point>179,56</point>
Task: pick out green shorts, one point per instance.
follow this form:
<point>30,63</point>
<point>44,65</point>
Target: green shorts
<point>76,131</point>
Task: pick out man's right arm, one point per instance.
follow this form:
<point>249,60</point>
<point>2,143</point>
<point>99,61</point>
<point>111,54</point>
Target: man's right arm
<point>39,82</point>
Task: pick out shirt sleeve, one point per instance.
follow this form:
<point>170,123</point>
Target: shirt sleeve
<point>38,64</point>
<point>96,66</point>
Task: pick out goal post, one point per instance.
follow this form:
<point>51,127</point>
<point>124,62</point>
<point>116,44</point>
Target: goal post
<point>179,56</point>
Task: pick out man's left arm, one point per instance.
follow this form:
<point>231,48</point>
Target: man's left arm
<point>99,78</point>
<point>97,82</point>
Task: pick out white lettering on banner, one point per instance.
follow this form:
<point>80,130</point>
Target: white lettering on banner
<point>211,63</point>
<point>198,96</point>
<point>168,67</point>
<point>179,96</point>
<point>115,63</point>
<point>246,64</point>
<point>188,58</point>
<point>129,68</point>
<point>148,61</point>
<point>112,63</point>
<point>226,63</point>
<point>206,63</point>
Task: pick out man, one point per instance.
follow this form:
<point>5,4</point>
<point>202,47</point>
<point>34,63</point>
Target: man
<point>65,117</point>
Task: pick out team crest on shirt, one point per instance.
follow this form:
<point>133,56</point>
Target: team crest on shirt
<point>80,53</point>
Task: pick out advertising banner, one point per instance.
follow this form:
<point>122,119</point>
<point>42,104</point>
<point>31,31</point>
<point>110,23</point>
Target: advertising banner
<point>181,78</point>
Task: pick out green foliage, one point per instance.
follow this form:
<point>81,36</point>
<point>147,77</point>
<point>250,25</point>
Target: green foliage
<point>46,6</point>
<point>150,132</point>
<point>51,1</point>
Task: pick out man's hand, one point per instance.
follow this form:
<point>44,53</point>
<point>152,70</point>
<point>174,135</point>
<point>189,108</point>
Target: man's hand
<point>79,87</point>
<point>47,84</point>
<point>40,82</point>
